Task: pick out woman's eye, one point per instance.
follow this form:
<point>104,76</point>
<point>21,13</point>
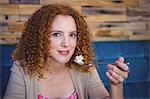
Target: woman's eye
<point>73,35</point>
<point>56,34</point>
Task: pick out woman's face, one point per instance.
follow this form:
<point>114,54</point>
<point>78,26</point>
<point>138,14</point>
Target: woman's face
<point>63,38</point>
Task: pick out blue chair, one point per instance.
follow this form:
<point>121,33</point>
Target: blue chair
<point>137,86</point>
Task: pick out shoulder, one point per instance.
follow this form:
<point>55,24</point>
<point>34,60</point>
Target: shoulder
<point>18,72</point>
<point>17,69</point>
<point>16,66</point>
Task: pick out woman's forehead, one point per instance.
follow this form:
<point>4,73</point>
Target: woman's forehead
<point>64,22</point>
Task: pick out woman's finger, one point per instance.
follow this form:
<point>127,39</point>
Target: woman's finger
<point>112,79</point>
<point>117,70</point>
<point>121,59</point>
<point>116,76</point>
<point>122,65</point>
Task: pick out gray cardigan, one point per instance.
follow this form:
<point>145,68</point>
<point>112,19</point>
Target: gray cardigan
<point>20,86</point>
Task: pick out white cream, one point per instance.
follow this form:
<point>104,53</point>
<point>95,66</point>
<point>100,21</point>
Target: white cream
<point>79,59</point>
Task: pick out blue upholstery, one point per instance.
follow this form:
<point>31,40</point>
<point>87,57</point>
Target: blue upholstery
<point>135,52</point>
<point>6,51</point>
<point>5,64</point>
<point>138,54</point>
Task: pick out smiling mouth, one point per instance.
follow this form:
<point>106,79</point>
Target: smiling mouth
<point>63,52</point>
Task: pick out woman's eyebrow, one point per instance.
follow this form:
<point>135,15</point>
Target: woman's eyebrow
<point>57,31</point>
<point>62,31</point>
<point>73,31</point>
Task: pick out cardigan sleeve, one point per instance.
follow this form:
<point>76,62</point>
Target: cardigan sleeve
<point>16,85</point>
<point>96,89</point>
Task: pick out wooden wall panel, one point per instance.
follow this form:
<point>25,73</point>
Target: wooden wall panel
<point>109,20</point>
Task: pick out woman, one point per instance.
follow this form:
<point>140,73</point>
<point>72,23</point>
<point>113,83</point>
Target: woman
<point>44,61</point>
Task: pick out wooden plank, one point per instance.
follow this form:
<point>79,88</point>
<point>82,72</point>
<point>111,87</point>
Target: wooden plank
<point>136,11</point>
<point>115,3</point>
<point>102,39</point>
<point>122,38</point>
<point>83,2</point>
<point>28,8</point>
<point>54,1</point>
<point>131,2</point>
<point>6,9</point>
<point>121,33</point>
<point>105,18</point>
<point>99,3</point>
<point>148,26</point>
<point>125,25</point>
<point>113,33</point>
<point>138,18</point>
<point>24,1</point>
<point>14,1</point>
<point>12,18</point>
<point>3,27</point>
<point>126,3</point>
<point>103,10</point>
<point>9,38</point>
<point>24,18</point>
<point>4,1</point>
<point>2,18</point>
<point>144,4</point>
<point>135,26</point>
<point>23,9</point>
<point>13,26</point>
<point>14,9</point>
<point>8,41</point>
<point>140,37</point>
<point>6,35</point>
<point>101,33</point>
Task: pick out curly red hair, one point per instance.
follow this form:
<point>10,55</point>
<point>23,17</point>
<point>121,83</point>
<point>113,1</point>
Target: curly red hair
<point>32,49</point>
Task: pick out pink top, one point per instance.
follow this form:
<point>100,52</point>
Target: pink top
<point>74,95</point>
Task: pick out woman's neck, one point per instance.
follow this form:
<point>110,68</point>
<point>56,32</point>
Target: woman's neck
<point>56,67</point>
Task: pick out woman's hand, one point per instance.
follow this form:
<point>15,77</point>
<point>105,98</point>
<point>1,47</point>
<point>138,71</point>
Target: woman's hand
<point>117,72</point>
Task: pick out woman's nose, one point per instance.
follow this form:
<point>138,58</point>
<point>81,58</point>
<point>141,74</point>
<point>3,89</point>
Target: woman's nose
<point>65,42</point>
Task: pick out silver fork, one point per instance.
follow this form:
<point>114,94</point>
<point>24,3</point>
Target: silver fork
<point>102,63</point>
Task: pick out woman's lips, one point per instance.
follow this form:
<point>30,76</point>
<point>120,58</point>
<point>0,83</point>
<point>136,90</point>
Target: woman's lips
<point>63,52</point>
